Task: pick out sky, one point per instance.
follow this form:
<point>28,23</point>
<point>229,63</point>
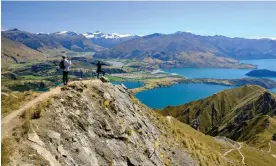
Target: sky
<point>232,19</point>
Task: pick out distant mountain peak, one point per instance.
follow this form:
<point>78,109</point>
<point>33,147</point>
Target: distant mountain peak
<point>99,34</point>
<point>42,33</point>
<point>14,29</point>
<point>71,33</point>
<point>154,34</point>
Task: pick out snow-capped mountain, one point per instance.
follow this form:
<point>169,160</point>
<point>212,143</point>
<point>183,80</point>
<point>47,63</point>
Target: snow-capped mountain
<point>70,33</point>
<point>108,40</point>
<point>99,34</point>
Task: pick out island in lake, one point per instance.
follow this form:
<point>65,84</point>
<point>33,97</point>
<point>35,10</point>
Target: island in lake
<point>262,73</point>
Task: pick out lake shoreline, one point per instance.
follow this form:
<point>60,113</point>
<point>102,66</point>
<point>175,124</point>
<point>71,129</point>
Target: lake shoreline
<point>166,82</point>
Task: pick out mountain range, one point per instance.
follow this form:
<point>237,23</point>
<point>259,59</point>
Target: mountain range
<point>188,50</point>
<point>61,40</point>
<point>180,49</point>
<point>109,40</point>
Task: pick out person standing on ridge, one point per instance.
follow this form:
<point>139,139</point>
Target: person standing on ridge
<point>99,69</point>
<point>64,65</point>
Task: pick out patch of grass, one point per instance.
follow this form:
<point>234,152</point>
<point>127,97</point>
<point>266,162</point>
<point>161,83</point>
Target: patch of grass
<point>130,132</point>
<point>7,150</point>
<point>115,79</point>
<point>106,103</point>
<point>15,100</point>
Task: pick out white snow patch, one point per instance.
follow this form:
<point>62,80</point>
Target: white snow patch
<point>62,32</point>
<point>99,34</point>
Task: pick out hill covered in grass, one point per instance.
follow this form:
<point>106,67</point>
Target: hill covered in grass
<point>245,114</point>
<point>13,52</point>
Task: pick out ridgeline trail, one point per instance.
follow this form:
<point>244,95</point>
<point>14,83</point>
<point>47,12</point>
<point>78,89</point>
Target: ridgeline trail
<point>13,120</point>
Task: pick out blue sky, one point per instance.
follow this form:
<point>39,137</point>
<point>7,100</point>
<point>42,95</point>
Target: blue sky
<point>233,19</point>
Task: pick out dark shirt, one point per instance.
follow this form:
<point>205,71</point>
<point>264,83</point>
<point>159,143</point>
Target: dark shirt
<point>99,66</point>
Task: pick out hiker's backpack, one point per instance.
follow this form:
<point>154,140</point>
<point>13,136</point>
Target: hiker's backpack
<point>61,65</point>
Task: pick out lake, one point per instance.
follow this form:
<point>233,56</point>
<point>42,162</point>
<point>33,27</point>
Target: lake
<point>184,93</point>
<point>269,64</point>
<point>177,94</point>
<point>130,85</point>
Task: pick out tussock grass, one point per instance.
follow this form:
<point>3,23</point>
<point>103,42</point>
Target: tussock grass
<point>7,147</point>
<point>15,100</point>
<point>34,113</point>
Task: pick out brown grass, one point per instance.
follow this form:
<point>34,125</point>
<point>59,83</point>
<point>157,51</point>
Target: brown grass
<point>15,100</point>
<point>7,147</point>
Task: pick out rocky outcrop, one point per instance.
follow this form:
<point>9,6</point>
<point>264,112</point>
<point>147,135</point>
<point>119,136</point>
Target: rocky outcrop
<point>98,124</point>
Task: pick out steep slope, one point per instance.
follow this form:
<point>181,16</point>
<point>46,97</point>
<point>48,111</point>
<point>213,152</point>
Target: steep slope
<point>189,50</point>
<point>97,123</point>
<point>242,114</point>
<point>14,52</point>
<point>108,40</point>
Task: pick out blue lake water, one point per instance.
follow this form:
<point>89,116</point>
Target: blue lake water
<point>225,73</point>
<point>184,93</point>
<point>130,85</point>
<point>177,94</point>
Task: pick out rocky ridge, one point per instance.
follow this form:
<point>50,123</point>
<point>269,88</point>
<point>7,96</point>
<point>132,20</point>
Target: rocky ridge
<point>95,123</point>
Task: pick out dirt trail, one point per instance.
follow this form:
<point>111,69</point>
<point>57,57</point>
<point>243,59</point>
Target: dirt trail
<point>239,150</point>
<point>13,120</point>
<point>228,152</point>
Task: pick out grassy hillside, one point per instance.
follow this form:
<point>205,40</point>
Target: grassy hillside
<point>14,52</point>
<point>242,114</point>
